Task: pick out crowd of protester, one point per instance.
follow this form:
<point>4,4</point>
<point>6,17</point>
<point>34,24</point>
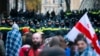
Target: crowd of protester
<point>48,43</point>
<point>36,44</point>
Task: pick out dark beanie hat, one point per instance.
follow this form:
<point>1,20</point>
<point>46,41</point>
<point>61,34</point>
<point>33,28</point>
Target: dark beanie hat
<point>53,51</point>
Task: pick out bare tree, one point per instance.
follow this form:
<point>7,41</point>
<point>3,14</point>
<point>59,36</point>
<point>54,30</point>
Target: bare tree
<point>68,4</point>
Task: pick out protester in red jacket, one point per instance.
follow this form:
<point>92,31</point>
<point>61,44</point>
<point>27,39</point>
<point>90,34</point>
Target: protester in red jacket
<point>27,44</point>
<point>24,50</point>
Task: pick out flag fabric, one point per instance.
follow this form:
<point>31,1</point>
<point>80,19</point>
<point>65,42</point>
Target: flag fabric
<point>84,26</point>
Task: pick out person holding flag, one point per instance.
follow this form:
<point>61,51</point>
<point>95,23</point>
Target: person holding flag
<point>84,26</point>
<point>83,48</point>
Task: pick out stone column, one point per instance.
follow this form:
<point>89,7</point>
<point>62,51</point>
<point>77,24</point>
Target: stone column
<point>12,4</point>
<point>24,5</point>
<point>19,5</point>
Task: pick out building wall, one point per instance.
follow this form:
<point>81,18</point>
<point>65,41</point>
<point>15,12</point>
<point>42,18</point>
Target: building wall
<point>82,4</point>
<point>75,4</point>
<point>90,4</point>
<point>52,5</point>
<point>12,4</point>
<point>18,4</point>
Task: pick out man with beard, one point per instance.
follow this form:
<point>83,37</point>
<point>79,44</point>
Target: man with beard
<point>83,48</point>
<point>37,44</point>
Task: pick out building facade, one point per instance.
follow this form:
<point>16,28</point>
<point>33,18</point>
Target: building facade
<point>75,4</point>
<point>16,4</point>
<point>90,4</point>
<point>53,5</point>
<point>84,4</point>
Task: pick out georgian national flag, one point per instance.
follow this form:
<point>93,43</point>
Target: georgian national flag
<point>84,26</point>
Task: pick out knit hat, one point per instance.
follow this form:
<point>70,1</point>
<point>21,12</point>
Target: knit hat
<point>15,26</point>
<point>25,29</point>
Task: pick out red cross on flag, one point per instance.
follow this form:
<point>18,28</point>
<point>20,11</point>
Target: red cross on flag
<point>84,26</point>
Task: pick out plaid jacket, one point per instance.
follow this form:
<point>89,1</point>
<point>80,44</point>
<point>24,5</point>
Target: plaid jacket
<point>13,42</point>
<point>87,52</point>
